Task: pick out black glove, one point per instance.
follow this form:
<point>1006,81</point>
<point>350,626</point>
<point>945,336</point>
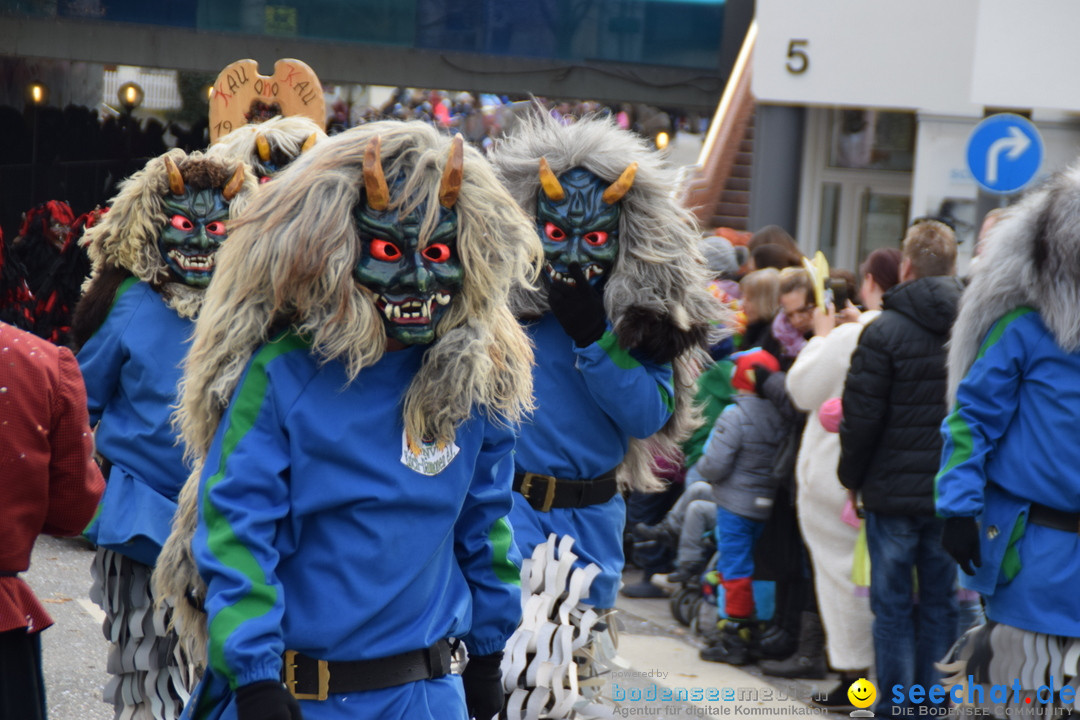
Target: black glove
<point>761,375</point>
<point>579,308</point>
<point>655,335</point>
<point>266,700</point>
<point>483,686</point>
<point>961,540</point>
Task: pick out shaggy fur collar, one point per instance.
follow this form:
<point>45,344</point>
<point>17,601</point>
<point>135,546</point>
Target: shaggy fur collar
<point>1032,258</point>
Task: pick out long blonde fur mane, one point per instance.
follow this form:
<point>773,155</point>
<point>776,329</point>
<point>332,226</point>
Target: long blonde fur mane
<point>289,263</point>
<point>290,259</point>
<point>659,268</point>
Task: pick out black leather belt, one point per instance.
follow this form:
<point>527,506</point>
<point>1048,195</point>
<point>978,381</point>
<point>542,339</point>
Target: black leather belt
<point>545,492</point>
<point>9,573</point>
<point>1052,518</point>
<point>311,679</point>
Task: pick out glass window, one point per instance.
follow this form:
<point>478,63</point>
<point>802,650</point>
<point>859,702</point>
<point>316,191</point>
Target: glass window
<point>882,222</point>
<point>872,140</point>
<point>830,212</point>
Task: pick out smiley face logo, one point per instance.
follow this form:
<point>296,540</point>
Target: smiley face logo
<point>862,693</point>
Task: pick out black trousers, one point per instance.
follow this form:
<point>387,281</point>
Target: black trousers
<point>22,683</point>
<point>650,508</point>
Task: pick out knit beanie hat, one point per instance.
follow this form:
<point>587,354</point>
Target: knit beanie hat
<point>719,256</point>
<point>743,377</point>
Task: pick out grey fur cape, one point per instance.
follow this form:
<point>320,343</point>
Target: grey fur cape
<point>1032,258</point>
<point>657,293</point>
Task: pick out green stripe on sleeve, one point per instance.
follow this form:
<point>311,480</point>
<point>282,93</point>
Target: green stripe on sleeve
<point>222,541</point>
<point>124,287</point>
<point>669,401</point>
<point>620,356</point>
<point>623,360</point>
<point>97,514</point>
<point>961,441</point>
<point>959,431</point>
<point>1010,563</point>
<point>999,328</point>
<point>501,536</point>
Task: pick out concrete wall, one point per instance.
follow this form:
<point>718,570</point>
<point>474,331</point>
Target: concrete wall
<point>774,183</point>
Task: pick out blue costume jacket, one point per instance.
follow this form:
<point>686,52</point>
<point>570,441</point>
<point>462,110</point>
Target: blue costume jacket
<point>131,366</point>
<point>590,402</point>
<point>1011,441</point>
<point>315,536</point>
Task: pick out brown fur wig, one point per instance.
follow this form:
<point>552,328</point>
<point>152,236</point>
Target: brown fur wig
<point>124,243</point>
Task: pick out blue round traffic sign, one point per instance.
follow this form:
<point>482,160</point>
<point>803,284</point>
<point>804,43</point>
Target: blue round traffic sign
<point>1004,153</point>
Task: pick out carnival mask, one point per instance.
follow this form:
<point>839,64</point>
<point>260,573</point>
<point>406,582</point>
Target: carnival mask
<point>195,227</point>
<point>414,282</point>
<point>274,160</point>
<point>577,216</point>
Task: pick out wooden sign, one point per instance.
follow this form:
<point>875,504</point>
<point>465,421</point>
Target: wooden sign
<point>241,95</point>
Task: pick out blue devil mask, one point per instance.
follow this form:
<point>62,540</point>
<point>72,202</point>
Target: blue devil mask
<point>195,227</point>
<point>577,216</point>
<point>414,282</point>
<point>274,159</point>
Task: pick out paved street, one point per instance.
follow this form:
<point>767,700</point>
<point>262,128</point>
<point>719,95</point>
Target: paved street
<point>655,650</point>
<point>74,647</point>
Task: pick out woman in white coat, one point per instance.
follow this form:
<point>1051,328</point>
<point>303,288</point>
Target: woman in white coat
<point>818,375</point>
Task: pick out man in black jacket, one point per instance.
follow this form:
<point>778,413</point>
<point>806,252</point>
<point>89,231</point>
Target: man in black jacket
<point>894,402</point>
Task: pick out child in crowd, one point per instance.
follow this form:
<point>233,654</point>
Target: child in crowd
<point>738,461</point>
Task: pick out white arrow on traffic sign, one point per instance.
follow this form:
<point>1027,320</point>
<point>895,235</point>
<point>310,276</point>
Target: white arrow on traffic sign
<point>1015,144</point>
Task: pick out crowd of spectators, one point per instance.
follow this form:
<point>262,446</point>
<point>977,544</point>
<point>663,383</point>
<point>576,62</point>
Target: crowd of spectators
<point>484,117</point>
<point>800,442</point>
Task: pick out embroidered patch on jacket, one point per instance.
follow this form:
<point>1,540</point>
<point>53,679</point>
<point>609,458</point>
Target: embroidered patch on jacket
<point>428,458</point>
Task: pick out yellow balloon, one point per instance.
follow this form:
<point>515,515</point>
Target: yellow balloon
<point>862,693</point>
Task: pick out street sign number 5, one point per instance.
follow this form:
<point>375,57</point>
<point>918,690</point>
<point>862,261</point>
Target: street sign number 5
<point>798,61</point>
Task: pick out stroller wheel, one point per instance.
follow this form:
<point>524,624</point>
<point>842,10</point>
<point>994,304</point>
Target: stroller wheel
<point>682,603</point>
<point>702,616</point>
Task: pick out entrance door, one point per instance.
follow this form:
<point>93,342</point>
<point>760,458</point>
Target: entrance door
<point>856,183</point>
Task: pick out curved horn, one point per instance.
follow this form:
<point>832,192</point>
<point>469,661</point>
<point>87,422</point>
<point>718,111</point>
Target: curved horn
<point>235,183</point>
<point>176,180</point>
<point>262,146</point>
<point>617,189</point>
<point>552,187</point>
<point>309,143</point>
<point>453,173</point>
<point>378,195</point>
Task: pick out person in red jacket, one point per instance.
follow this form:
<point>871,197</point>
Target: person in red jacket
<point>49,484</point>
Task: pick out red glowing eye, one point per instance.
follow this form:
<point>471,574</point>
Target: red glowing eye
<point>437,253</point>
<point>385,250</point>
<point>554,232</point>
<point>182,223</point>
<point>597,237</point>
<point>215,228</point>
